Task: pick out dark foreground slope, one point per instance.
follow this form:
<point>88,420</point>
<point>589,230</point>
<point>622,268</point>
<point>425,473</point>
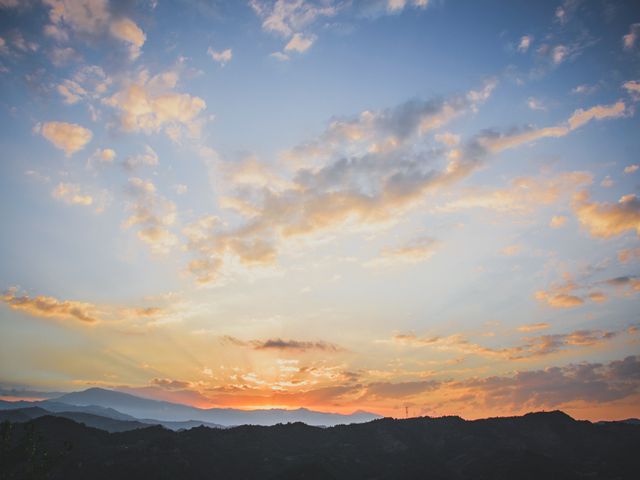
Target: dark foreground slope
<point>542,445</point>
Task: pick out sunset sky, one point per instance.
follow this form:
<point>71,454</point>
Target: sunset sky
<point>334,204</point>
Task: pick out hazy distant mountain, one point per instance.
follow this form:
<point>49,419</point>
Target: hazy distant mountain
<point>90,415</point>
<point>54,406</point>
<point>104,423</point>
<point>536,446</point>
<point>143,408</point>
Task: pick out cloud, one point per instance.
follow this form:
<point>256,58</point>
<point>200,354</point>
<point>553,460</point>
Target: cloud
<point>633,89</point>
<point>88,83</point>
<point>631,168</point>
<point>523,194</point>
<point>391,128</point>
<point>86,313</point>
<point>561,295</point>
<point>70,193</point>
<point>222,57</point>
<point>632,283</point>
<point>629,40</point>
<point>369,186</point>
<point>629,254</point>
<point>69,137</point>
<point>93,17</point>
<point>280,56</point>
<point>598,297</point>
<point>147,159</point>
<point>559,53</point>
<point>607,182</point>
<point>300,43</point>
<point>126,30</point>
<point>375,8</point>
<point>569,294</point>
<point>283,345</point>
<point>280,344</point>
<point>104,156</point>
<point>149,105</point>
<point>495,142</point>
<point>533,327</point>
<point>593,383</point>
<point>447,138</point>
<point>584,89</point>
<point>606,220</point>
<point>525,43</point>
<point>170,384</point>
<point>71,91</point>
<point>558,221</point>
<point>180,188</point>
<point>559,300</point>
<point>49,307</point>
<point>82,15</point>
<point>535,104</point>
<point>286,17</point>
<point>62,56</point>
<point>599,112</point>
<point>152,214</point>
<point>511,250</point>
<point>73,194</point>
<point>418,250</point>
<point>530,347</point>
<point>57,33</point>
<point>387,390</point>
<point>294,19</point>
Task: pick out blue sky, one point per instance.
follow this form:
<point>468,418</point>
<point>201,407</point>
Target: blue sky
<point>335,204</point>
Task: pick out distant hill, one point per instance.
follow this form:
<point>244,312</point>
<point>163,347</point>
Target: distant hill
<point>88,419</point>
<point>631,421</point>
<point>93,416</point>
<point>536,446</point>
<point>55,406</point>
<point>142,408</point>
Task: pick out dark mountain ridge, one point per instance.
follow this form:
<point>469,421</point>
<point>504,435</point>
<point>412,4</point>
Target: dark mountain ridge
<point>539,445</point>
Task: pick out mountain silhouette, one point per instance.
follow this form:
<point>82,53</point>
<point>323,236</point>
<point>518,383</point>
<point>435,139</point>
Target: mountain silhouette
<point>532,447</point>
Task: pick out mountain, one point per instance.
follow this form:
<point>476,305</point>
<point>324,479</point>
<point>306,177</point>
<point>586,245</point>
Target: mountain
<point>91,415</point>
<point>142,408</point>
<point>54,406</point>
<point>20,415</point>
<point>631,421</point>
<point>539,445</point>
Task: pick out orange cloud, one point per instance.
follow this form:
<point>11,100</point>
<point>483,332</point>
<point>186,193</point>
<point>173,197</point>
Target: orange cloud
<point>533,327</point>
<point>85,312</point>
<point>629,254</point>
<point>531,347</point>
<point>69,137</point>
<point>608,220</point>
<point>150,105</point>
<point>126,30</point>
<point>496,143</point>
<point>523,194</point>
<point>418,250</point>
<point>49,307</point>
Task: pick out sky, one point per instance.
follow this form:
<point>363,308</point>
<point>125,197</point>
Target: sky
<point>394,206</point>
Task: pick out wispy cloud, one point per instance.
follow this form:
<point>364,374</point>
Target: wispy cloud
<point>279,344</point>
